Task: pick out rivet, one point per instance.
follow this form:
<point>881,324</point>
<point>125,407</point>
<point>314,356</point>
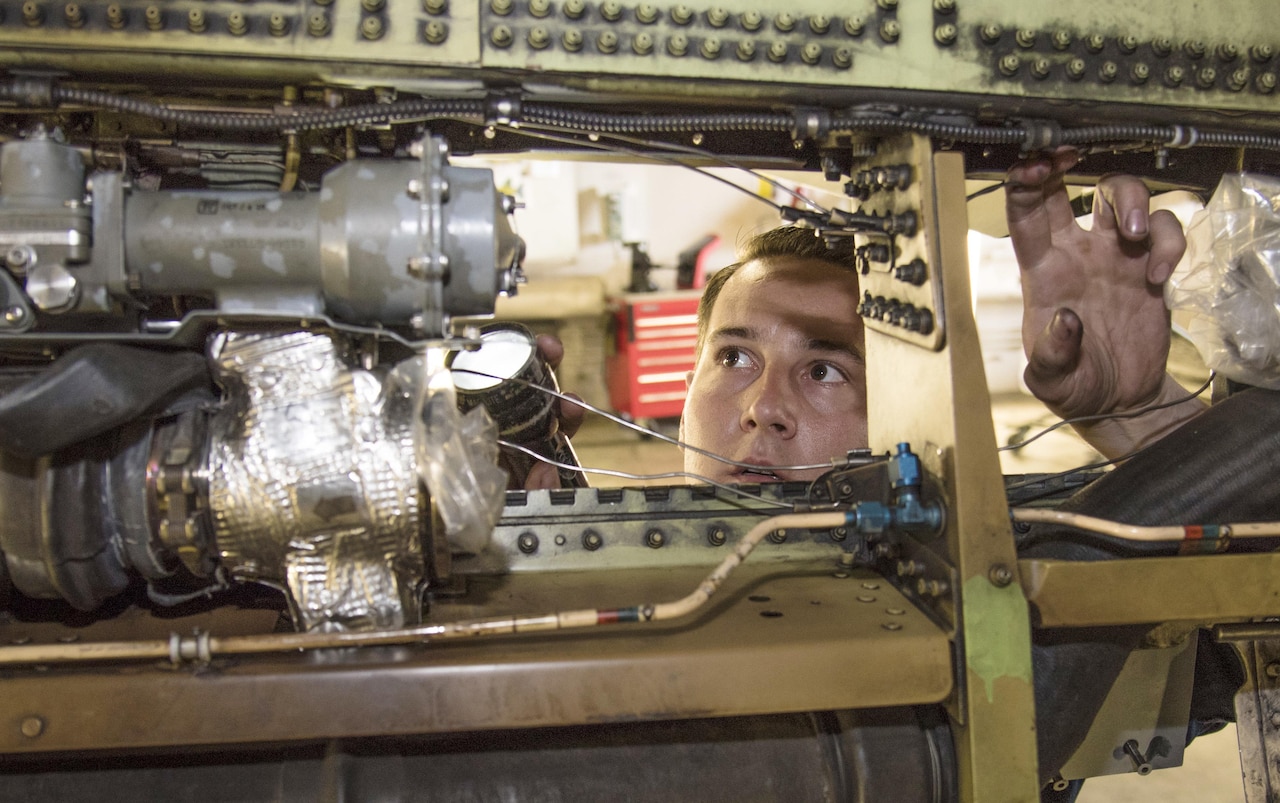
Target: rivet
<point>784,22</point>
<point>1193,48</point>
<point>716,536</point>
<point>945,34</point>
<point>1000,575</point>
<point>642,44</point>
<point>435,32</point>
<point>678,44</point>
<point>539,8</point>
<point>278,25</point>
<point>373,6</point>
<point>116,17</point>
<point>195,20</point>
<point>1026,38</point>
<point>1139,73</point>
<point>991,33</point>
<point>1206,77</point>
<point>1262,53</point>
<point>840,575</point>
<point>14,314</point>
<point>1175,75</point>
<point>717,16</point>
<point>500,7</point>
<point>318,24</point>
<point>944,6</point>
<point>1095,42</point>
<point>751,20</point>
<point>1061,40</point>
<point>819,24</point>
<point>1009,64</point>
<point>1273,669</point>
<point>539,37</point>
<point>866,598</point>
<point>654,539</point>
<point>811,53</point>
<point>500,36</point>
<point>746,50</point>
<point>591,540</point>
<point>1228,52</point>
<point>74,15</point>
<point>573,9</point>
<point>710,48</point>
<point>646,13</point>
<point>777,52</point>
<point>1238,79</point>
<point>1127,44</point>
<point>435,7</point>
<point>890,31</point>
<point>1162,46</point>
<point>1265,82</point>
<point>560,540</point>
<point>572,40</point>
<point>887,5</point>
<point>681,15</point>
<point>891,626</point>
<point>527,543</point>
<point>607,42</point>
<point>32,727</point>
<point>611,10</point>
<point>372,28</point>
<point>32,14</point>
<point>871,586</point>
<point>842,57</point>
<point>1040,68</point>
<point>895,611</point>
<point>1108,71</point>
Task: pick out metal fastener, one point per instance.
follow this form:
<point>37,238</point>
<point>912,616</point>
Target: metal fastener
<point>716,536</point>
<point>32,727</point>
<point>1000,575</point>
<point>778,536</point>
<point>655,539</point>
<point>591,540</point>
<point>527,543</point>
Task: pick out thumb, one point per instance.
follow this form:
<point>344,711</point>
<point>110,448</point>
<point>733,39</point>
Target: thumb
<point>1055,353</point>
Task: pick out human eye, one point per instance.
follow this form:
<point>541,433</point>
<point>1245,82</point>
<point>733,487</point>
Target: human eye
<point>826,373</point>
<point>731,357</point>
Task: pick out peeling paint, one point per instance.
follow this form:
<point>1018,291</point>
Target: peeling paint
<point>273,260</point>
<point>998,634</point>
<point>223,266</point>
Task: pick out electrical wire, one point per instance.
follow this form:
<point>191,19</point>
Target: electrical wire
<point>644,430</point>
<point>203,647</point>
<point>1084,419</point>
<point>530,132</point>
<point>626,475</point>
<point>705,154</point>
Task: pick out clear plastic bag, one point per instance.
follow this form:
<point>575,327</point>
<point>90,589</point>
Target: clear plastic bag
<point>457,454</point>
<point>1229,280</point>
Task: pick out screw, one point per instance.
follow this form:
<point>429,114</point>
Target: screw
<point>784,22</point>
<point>591,540</point>
<point>991,34</point>
<point>819,24</point>
<point>1025,38</point>
<point>607,42</point>
<point>746,50</point>
<point>678,44</point>
<point>717,16</point>
<point>1228,52</point>
<point>1139,73</point>
<point>646,13</point>
<point>1174,76</point>
<point>839,534</point>
<point>32,14</point>
<point>500,7</point>
<point>853,26</point>
<point>1262,53</point>
<point>572,40</point>
<point>1194,49</point>
<point>890,31</point>
<point>539,8</point>
<point>710,48</point>
<point>195,20</point>
<point>573,9</point>
<point>318,24</point>
<point>1009,64</point>
<point>654,539</point>
<point>642,44</point>
<point>539,37</point>
<point>1238,79</point>
<point>115,16</point>
<point>1061,40</point>
<point>751,20</point>
<point>74,15</point>
<point>944,6</point>
<point>372,28</point>
<point>32,727</point>
<point>611,10</point>
<point>716,536</point>
<point>1000,575</point>
<point>811,53</point>
<point>778,536</point>
<point>1095,42</point>
<point>1127,44</point>
<point>842,57</point>
<point>1266,82</point>
<point>1206,77</point>
<point>435,7</point>
<point>1040,68</point>
<point>527,543</point>
<point>1162,46</point>
<point>681,15</point>
<point>777,52</point>
<point>1108,71</point>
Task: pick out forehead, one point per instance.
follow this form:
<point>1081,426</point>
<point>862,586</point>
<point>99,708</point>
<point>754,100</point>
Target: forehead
<point>806,293</point>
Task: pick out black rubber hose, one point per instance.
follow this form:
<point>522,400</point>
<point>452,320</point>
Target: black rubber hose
<point>1222,466</point>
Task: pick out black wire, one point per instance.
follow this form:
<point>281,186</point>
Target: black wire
<point>999,185</point>
<point>1084,419</point>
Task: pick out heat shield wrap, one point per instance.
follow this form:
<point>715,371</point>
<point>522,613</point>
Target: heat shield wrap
<point>313,483</point>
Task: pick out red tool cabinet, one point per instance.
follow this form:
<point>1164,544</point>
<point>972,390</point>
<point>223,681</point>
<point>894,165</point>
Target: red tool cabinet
<point>655,335</point>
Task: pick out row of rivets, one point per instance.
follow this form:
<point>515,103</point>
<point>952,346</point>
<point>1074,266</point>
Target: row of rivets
<point>540,37</point>
<point>1108,71</point>
<point>890,30</point>
<point>237,23</point>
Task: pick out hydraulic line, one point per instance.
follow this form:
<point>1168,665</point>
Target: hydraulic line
<point>203,646</point>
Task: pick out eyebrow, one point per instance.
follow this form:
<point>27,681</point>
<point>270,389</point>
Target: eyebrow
<point>812,344</point>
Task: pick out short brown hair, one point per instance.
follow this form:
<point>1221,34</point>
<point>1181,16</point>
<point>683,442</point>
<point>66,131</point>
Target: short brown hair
<point>791,242</point>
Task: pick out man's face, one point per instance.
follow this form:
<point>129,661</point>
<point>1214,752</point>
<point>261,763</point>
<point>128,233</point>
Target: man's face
<point>781,379</point>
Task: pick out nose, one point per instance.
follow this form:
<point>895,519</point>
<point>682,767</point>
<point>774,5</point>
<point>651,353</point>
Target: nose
<point>770,402</point>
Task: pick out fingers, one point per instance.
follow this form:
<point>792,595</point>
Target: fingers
<point>1121,203</point>
<point>1167,246</point>
<point>542,476</point>
<point>1054,354</point>
<point>551,349</point>
<point>1037,205</point>
<point>571,415</point>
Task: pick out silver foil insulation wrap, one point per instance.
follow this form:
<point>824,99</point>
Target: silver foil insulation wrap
<point>313,483</point>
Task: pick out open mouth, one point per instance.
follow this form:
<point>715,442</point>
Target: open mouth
<point>758,475</point>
